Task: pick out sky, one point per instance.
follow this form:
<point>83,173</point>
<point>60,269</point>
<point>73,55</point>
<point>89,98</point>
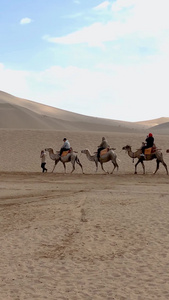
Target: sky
<point>106,59</point>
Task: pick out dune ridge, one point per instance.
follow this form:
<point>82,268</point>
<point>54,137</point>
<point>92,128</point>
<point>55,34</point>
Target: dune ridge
<point>21,113</point>
<point>18,113</point>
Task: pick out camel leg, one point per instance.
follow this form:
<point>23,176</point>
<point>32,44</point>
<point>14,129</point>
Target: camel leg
<point>73,159</point>
<point>157,166</point>
<point>143,167</point>
<point>163,163</point>
<point>79,163</point>
<point>96,162</point>
<point>113,169</point>
<point>64,165</point>
<point>115,166</point>
<point>73,166</point>
<point>165,166</point>
<point>56,161</point>
<point>137,165</point>
<point>102,167</point>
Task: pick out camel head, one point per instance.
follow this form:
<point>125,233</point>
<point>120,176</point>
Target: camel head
<point>84,151</point>
<point>49,149</point>
<point>127,148</point>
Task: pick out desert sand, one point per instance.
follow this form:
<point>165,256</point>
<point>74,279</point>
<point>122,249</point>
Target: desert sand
<point>81,236</point>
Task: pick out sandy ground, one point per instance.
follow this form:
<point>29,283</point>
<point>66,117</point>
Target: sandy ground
<point>81,236</point>
<point>84,236</point>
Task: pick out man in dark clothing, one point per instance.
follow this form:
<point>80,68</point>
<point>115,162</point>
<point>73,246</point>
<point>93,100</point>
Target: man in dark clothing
<point>149,143</point>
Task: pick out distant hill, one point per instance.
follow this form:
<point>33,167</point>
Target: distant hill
<point>18,113</point>
<point>154,122</point>
<point>162,128</point>
<point>159,126</point>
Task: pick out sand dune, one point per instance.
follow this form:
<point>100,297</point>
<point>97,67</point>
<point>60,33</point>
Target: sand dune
<point>20,113</point>
<point>154,122</point>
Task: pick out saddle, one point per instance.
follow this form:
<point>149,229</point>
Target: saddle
<point>64,153</point>
<point>104,151</point>
<point>150,150</point>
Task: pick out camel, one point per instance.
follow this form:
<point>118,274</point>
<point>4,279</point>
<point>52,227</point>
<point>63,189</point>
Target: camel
<point>70,157</point>
<point>156,155</point>
<point>110,155</point>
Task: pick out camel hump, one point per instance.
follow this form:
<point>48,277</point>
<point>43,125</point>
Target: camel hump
<point>104,151</point>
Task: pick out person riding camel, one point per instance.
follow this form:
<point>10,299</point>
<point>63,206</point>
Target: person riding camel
<point>149,143</point>
<point>65,147</point>
<point>103,145</point>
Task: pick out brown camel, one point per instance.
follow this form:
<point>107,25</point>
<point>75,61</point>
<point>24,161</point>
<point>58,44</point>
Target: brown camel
<point>70,157</point>
<point>110,155</point>
<point>156,155</point>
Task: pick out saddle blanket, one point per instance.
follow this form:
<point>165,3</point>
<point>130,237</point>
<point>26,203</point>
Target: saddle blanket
<point>150,150</point>
<point>104,151</point>
<point>64,153</point>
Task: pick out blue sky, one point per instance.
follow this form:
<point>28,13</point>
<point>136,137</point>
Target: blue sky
<point>106,59</point>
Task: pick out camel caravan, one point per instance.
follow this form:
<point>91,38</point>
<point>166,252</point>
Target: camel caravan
<point>71,156</point>
<point>147,152</point>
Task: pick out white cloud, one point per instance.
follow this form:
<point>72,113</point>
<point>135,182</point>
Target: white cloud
<point>25,21</point>
<point>121,4</point>
<point>102,5</point>
<point>94,35</point>
<point>141,18</point>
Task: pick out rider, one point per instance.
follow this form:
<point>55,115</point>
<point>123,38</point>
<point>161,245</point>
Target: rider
<point>103,145</point>
<point>65,147</point>
<point>149,143</point>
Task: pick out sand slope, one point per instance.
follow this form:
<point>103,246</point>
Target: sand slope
<point>20,113</point>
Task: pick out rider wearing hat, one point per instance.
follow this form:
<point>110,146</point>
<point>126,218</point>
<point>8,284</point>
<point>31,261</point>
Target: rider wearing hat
<point>149,142</point>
